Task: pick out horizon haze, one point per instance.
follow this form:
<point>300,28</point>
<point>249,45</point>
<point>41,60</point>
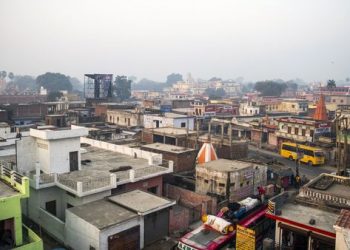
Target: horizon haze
<point>256,40</point>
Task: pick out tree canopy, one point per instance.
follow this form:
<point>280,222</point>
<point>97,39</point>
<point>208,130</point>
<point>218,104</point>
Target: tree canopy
<point>122,87</point>
<point>214,79</point>
<point>54,82</point>
<point>331,84</point>
<point>146,84</point>
<point>23,82</point>
<point>270,88</point>
<point>173,78</point>
<point>215,94</point>
<point>54,96</point>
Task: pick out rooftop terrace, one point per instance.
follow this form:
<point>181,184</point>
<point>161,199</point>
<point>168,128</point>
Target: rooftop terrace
<point>103,167</point>
<point>224,165</point>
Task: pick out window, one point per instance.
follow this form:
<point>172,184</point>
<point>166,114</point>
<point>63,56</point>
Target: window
<point>289,130</point>
<point>247,182</point>
<point>117,118</point>
<point>153,190</point>
<point>73,161</point>
<point>50,207</point>
<point>341,100</point>
<point>232,184</point>
<point>221,184</point>
<point>241,184</point>
<point>293,106</point>
<point>110,118</point>
<point>289,148</point>
<point>296,131</point>
<point>303,131</point>
<point>311,133</point>
<point>206,181</point>
<point>183,124</point>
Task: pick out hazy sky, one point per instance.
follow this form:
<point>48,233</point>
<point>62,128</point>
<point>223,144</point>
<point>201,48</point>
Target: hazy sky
<point>255,39</point>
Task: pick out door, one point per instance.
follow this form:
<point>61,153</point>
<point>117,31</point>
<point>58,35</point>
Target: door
<point>73,161</point>
<point>126,240</point>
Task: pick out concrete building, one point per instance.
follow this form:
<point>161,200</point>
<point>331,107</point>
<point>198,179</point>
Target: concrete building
<point>5,130</point>
<point>232,180</point>
<point>184,158</point>
<point>172,136</point>
<point>171,120</point>
<point>67,170</point>
<point>125,118</point>
<point>249,109</point>
<point>14,235</point>
<point>295,106</point>
<point>127,221</point>
<point>342,229</point>
<point>310,220</point>
<point>301,129</point>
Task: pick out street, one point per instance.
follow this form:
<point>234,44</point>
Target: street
<point>309,172</point>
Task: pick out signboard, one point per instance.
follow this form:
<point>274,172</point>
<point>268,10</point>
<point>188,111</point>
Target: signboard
<point>322,130</point>
<point>245,239</point>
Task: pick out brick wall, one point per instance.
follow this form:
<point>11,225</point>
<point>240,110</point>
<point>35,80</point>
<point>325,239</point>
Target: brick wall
<point>190,199</point>
<point>182,162</point>
<point>175,223</point>
<point>147,136</point>
<point>256,136</point>
<point>146,184</point>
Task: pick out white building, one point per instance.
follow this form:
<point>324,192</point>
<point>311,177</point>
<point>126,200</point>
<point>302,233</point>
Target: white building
<point>68,170</point>
<point>249,109</point>
<point>122,221</point>
<point>171,120</point>
<point>5,130</point>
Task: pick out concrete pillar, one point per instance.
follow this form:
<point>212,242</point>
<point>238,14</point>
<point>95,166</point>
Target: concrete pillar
<point>132,175</point>
<point>142,232</point>
<point>209,131</point>
<point>79,187</point>
<point>171,166</point>
<point>113,180</point>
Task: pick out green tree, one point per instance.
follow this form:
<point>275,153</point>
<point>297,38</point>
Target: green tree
<point>331,84</point>
<point>173,78</point>
<point>3,74</point>
<point>270,88</point>
<point>214,79</point>
<point>122,87</point>
<point>24,82</point>
<point>54,82</point>
<point>76,84</point>
<point>215,94</point>
<point>11,76</point>
<point>146,84</point>
<point>54,96</point>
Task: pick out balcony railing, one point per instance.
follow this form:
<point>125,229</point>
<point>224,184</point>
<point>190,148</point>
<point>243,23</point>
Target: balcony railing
<point>82,183</point>
<point>14,179</point>
<point>31,241</point>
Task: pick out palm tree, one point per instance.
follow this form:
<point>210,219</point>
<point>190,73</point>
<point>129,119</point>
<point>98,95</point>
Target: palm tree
<point>331,84</point>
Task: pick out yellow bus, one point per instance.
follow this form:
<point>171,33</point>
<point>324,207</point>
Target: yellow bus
<point>310,155</point>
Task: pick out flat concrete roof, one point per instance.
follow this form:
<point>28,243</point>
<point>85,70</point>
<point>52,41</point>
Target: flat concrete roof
<point>303,214</point>
<point>173,131</point>
<point>103,213</point>
<point>141,202</point>
<point>224,165</point>
<point>6,190</point>
<point>333,188</point>
<point>106,160</point>
<point>167,148</point>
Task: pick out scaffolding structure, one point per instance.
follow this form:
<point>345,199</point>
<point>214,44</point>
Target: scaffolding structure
<point>98,86</point>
